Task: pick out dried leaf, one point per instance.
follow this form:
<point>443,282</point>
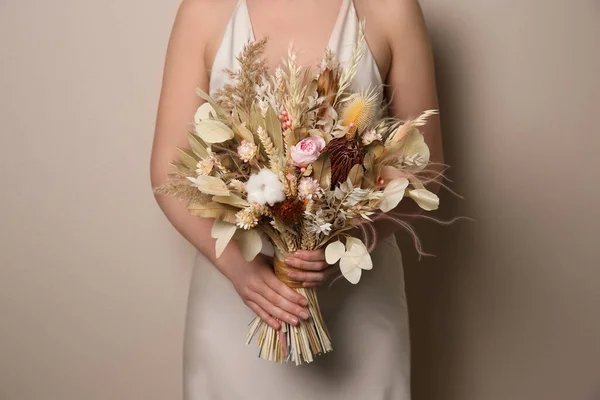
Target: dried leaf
<point>232,200</point>
<point>355,259</point>
<point>218,109</point>
<point>213,131</point>
<point>334,251</point>
<point>188,158</point>
<point>244,133</point>
<point>356,175</point>
<point>204,112</point>
<point>213,210</point>
<point>322,170</point>
<point>393,194</point>
<point>210,185</point>
<point>273,127</point>
<point>250,243</point>
<point>370,176</point>
<point>197,145</point>
<point>427,200</point>
<point>223,232</point>
<point>376,148</point>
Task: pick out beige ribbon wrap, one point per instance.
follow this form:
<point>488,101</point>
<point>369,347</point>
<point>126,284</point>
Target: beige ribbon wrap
<point>282,270</point>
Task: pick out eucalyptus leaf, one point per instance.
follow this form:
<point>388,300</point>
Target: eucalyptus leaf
<point>213,131</point>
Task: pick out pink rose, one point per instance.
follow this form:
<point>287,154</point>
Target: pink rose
<point>307,150</point>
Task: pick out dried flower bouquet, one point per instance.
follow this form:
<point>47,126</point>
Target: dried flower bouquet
<point>300,159</point>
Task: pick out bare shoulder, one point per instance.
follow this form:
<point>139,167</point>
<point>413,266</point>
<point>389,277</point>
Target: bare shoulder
<point>397,20</point>
<point>202,22</point>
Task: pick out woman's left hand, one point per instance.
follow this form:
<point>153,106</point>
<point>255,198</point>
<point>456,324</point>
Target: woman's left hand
<point>314,268</point>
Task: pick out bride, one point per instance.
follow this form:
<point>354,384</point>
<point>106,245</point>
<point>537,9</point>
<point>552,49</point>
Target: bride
<point>368,322</point>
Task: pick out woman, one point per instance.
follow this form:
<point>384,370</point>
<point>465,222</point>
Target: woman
<point>368,322</point>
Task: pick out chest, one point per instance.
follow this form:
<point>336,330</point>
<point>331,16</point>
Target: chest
<point>308,25</point>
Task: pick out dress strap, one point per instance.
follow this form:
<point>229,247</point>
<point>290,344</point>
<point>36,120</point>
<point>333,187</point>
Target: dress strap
<point>237,34</point>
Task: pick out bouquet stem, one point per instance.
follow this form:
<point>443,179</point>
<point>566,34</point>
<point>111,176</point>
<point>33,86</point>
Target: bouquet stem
<point>299,344</point>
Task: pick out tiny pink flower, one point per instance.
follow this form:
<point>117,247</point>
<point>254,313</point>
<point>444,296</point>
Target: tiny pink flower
<point>307,150</point>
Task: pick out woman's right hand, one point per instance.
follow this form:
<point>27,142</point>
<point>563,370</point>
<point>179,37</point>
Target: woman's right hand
<point>266,295</point>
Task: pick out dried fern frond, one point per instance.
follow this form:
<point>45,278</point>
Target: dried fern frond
<point>241,93</point>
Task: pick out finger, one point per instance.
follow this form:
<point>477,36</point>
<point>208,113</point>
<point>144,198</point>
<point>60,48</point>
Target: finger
<point>300,276</point>
<point>310,284</point>
<point>285,291</point>
<point>310,255</point>
<point>306,265</point>
<point>328,273</point>
<point>278,300</point>
<point>262,314</point>
<point>273,310</point>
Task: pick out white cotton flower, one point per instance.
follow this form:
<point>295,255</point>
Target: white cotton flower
<point>205,166</point>
<point>265,187</point>
<point>247,150</point>
<point>370,136</point>
<point>309,188</point>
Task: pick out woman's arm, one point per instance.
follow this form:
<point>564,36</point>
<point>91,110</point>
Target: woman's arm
<point>411,86</point>
<point>185,71</point>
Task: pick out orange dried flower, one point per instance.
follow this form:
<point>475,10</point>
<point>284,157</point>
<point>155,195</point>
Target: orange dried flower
<point>288,211</point>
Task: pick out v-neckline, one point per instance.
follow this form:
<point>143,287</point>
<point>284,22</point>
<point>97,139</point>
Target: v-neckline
<point>334,33</point>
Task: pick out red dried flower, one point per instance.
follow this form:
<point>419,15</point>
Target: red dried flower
<point>344,154</point>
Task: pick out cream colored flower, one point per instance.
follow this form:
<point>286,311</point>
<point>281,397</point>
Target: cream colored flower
<point>205,166</point>
<point>309,188</point>
<point>370,136</point>
<point>247,151</point>
<point>246,218</point>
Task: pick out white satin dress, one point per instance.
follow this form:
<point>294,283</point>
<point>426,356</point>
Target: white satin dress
<point>368,322</point>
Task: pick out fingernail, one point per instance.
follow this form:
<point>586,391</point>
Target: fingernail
<point>303,315</point>
<point>304,302</point>
<point>295,320</point>
<point>291,275</point>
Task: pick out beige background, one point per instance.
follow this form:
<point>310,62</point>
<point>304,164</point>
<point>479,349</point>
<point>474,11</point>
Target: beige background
<point>93,280</point>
